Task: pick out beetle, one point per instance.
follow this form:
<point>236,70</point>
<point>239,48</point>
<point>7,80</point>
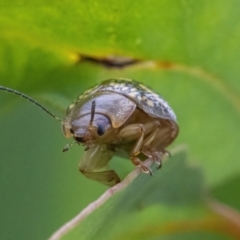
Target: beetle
<point>117,117</point>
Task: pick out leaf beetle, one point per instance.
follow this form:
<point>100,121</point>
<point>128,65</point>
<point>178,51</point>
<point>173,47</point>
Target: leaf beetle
<point>117,117</point>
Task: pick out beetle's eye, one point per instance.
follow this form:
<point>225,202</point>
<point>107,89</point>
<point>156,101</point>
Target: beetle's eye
<point>100,129</point>
<point>79,139</point>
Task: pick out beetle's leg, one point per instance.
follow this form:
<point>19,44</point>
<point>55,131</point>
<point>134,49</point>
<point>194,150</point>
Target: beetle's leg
<point>148,140</point>
<point>109,178</point>
<point>94,166</point>
<point>136,150</point>
<point>135,130</point>
<point>157,156</point>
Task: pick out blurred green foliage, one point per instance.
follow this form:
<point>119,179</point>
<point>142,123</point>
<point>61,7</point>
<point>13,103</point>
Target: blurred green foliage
<point>196,46</point>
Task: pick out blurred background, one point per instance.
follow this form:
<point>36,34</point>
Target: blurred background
<point>187,51</point>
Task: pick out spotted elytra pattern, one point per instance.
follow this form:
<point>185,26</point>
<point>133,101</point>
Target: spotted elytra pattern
<point>146,99</point>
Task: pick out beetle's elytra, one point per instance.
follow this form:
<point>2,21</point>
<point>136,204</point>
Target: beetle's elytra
<point>117,117</point>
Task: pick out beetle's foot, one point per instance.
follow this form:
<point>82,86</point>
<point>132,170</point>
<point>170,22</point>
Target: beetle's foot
<point>146,169</point>
<point>160,156</point>
<point>157,157</point>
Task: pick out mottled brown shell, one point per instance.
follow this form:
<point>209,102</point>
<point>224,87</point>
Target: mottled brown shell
<point>147,100</point>
<point>116,106</point>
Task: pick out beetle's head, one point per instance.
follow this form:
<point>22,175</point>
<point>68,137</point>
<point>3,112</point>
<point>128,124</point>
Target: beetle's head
<point>89,128</point>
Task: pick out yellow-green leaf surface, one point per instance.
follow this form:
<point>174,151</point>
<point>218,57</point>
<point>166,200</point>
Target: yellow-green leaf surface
<point>54,50</point>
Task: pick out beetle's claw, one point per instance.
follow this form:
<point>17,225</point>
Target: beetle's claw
<point>159,160</point>
<point>146,169</point>
<point>150,172</point>
<point>159,164</point>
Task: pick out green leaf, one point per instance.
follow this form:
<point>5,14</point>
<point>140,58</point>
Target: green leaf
<point>186,50</point>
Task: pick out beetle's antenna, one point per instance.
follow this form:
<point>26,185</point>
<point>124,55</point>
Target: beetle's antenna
<point>92,112</point>
<point>29,99</point>
<point>68,146</point>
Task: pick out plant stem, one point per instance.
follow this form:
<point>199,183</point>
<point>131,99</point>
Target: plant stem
<point>97,203</point>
